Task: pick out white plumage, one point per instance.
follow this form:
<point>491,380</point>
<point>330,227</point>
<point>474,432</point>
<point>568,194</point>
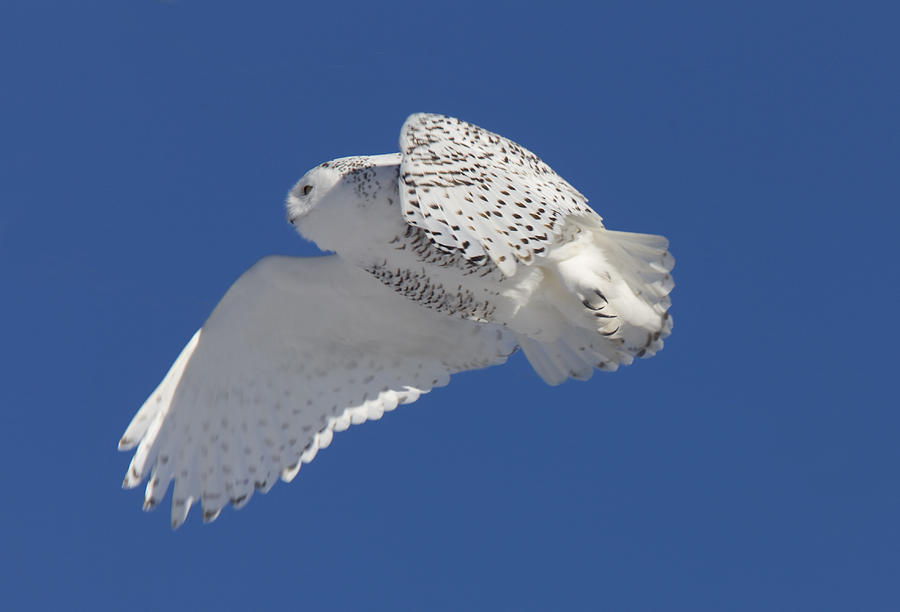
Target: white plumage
<point>449,255</point>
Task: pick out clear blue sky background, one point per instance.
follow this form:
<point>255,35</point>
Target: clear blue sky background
<point>145,152</point>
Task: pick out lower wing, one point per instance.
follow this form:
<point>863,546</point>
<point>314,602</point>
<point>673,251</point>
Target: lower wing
<point>297,349</point>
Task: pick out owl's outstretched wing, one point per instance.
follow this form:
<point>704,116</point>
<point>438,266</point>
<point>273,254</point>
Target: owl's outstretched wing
<point>477,191</point>
<point>297,349</point>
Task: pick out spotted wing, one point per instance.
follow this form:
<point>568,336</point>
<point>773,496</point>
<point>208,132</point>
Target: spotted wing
<point>476,191</point>
<point>296,350</point>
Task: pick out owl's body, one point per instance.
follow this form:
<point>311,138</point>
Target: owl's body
<point>449,255</point>
<point>585,297</point>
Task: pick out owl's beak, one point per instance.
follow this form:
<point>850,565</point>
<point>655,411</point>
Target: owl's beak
<point>293,209</point>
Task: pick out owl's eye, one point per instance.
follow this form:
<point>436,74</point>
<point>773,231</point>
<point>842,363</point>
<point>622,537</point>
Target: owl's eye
<point>307,189</point>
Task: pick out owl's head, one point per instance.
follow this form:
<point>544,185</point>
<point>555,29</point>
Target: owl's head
<point>334,195</point>
<point>313,188</point>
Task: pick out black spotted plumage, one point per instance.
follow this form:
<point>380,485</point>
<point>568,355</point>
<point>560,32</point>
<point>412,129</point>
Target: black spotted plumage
<point>474,190</point>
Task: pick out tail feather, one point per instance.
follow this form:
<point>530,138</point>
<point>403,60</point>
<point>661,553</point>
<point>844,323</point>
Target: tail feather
<point>645,264</point>
<point>612,291</point>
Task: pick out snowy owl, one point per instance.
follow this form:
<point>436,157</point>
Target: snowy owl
<point>448,256</point>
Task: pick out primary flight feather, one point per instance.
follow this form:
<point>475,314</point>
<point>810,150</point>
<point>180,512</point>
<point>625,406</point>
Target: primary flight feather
<point>448,256</point>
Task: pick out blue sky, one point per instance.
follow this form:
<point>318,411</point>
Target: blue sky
<point>753,464</point>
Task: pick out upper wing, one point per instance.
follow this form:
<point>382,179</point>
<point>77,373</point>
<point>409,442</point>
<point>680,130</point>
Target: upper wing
<point>297,349</point>
<point>474,190</point>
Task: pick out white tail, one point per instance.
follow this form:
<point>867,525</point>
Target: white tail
<point>612,288</point>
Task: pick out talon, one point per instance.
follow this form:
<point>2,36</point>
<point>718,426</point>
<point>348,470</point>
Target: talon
<point>608,334</point>
<point>593,305</point>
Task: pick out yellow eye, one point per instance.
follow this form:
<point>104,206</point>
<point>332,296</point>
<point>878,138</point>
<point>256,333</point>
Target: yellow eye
<point>307,189</point>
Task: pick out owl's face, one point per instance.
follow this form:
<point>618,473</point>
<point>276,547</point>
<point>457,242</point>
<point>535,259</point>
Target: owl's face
<point>313,188</point>
<point>342,182</point>
<point>346,197</point>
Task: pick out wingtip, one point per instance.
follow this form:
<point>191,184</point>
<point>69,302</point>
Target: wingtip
<point>290,472</point>
<point>132,479</point>
<point>241,500</point>
<point>180,510</point>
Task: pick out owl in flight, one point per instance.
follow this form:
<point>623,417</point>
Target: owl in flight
<point>448,256</point>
